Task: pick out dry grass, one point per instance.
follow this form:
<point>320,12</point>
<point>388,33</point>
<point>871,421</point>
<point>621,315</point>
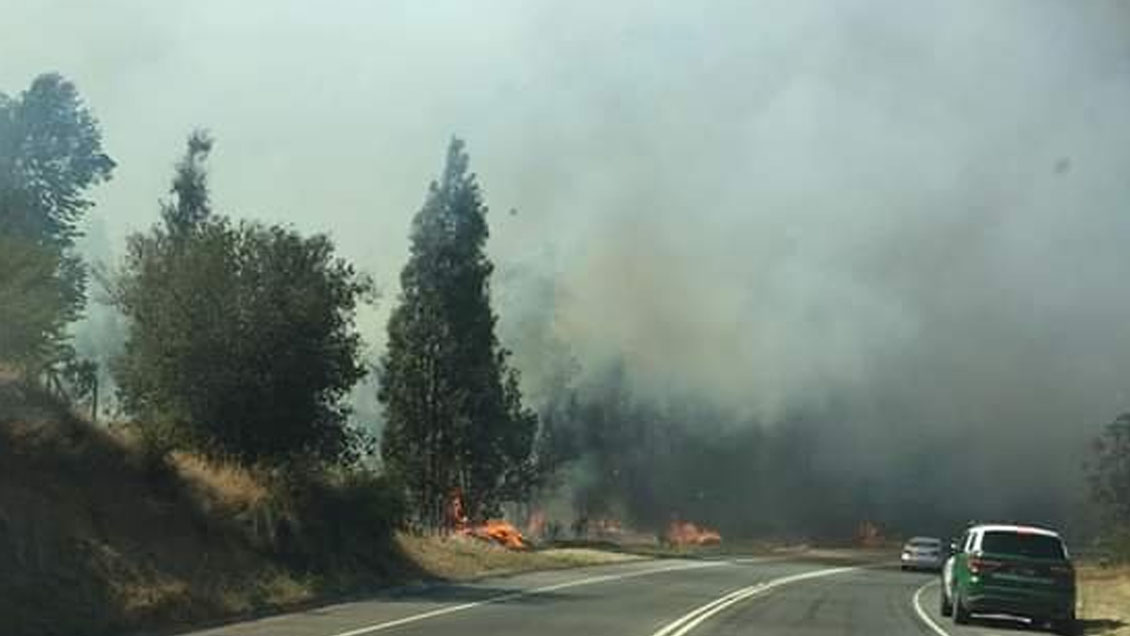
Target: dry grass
<point>1104,600</point>
<point>462,558</point>
<point>223,485</point>
<point>95,539</point>
<point>92,541</point>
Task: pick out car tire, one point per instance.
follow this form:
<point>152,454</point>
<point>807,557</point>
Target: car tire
<point>1064,626</point>
<point>946,608</point>
<point>960,613</point>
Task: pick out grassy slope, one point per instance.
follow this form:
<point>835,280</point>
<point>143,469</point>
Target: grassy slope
<point>93,542</point>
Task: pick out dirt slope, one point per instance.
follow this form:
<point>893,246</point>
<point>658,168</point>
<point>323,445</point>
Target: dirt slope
<point>90,543</point>
<point>94,540</point>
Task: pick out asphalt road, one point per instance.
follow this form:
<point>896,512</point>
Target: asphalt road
<point>650,598</point>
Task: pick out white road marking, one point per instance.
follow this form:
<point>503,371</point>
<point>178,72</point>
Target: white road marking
<point>922,613</point>
<point>695,617</point>
<point>462,607</point>
<point>759,559</point>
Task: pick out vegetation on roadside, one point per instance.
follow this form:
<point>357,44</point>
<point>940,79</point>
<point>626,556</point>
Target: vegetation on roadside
<point>460,558</point>
<point>455,422</point>
<point>241,340</point>
<point>1109,472</point>
<point>94,541</point>
<point>50,157</point>
<point>1104,600</point>
<point>235,481</point>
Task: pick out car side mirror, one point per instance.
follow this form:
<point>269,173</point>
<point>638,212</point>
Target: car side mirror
<point>953,547</point>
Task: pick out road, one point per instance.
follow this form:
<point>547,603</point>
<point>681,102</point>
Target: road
<point>647,598</point>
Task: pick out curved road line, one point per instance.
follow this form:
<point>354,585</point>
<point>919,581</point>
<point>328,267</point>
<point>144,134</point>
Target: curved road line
<point>692,619</point>
<point>931,623</point>
<point>462,607</point>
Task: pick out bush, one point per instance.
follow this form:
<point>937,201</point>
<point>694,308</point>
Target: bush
<point>240,336</point>
<point>1114,546</point>
<point>338,523</point>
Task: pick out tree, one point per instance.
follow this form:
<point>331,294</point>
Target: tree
<point>241,337</point>
<point>454,414</point>
<point>33,303</point>
<point>50,155</point>
<point>1110,470</point>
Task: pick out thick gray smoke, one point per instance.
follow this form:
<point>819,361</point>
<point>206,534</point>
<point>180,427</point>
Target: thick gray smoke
<point>905,220</point>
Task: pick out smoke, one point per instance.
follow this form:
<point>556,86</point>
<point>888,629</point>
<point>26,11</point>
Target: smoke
<point>900,222</point>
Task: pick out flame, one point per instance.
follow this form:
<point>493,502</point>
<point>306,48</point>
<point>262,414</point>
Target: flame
<point>501,532</point>
<point>683,533</point>
<point>494,530</point>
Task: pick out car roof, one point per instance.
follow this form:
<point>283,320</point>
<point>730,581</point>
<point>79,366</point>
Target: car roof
<point>1001,527</point>
<point>922,539</point>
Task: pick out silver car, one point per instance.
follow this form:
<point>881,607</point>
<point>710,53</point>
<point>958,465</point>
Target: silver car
<point>923,553</point>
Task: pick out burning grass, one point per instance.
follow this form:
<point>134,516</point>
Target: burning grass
<point>685,533</point>
<point>499,532</point>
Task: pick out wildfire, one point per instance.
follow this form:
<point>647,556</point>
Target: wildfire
<point>607,527</point>
<point>501,532</point>
<point>682,533</point>
<point>496,531</point>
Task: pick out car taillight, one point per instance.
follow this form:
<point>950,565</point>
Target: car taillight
<point>978,565</point>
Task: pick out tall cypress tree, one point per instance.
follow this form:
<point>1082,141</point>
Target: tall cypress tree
<point>454,417</point>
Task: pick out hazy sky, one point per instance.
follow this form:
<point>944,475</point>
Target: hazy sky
<point>921,206</point>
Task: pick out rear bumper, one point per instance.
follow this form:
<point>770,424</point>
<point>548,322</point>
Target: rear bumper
<point>1021,603</point>
<point>924,563</point>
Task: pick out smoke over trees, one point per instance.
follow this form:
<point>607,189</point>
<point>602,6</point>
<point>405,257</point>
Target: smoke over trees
<point>454,415</point>
<point>873,252</point>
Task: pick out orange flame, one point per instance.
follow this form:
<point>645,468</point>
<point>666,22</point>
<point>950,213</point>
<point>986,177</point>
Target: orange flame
<point>494,530</point>
<point>684,533</point>
<point>501,532</point>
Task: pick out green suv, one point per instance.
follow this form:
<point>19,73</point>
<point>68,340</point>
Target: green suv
<point>1008,569</point>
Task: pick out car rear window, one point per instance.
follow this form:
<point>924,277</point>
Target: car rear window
<point>1037,546</point>
<point>925,543</point>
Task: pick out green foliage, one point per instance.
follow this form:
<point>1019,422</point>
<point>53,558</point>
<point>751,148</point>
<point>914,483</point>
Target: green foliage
<point>341,522</point>
<point>191,205</point>
<point>34,306</point>
<point>50,155</point>
<point>454,417</point>
<point>241,336</point>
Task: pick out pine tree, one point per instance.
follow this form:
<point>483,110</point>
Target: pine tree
<point>454,417</point>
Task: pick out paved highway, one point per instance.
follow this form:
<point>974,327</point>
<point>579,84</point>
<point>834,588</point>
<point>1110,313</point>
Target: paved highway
<point>648,598</point>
